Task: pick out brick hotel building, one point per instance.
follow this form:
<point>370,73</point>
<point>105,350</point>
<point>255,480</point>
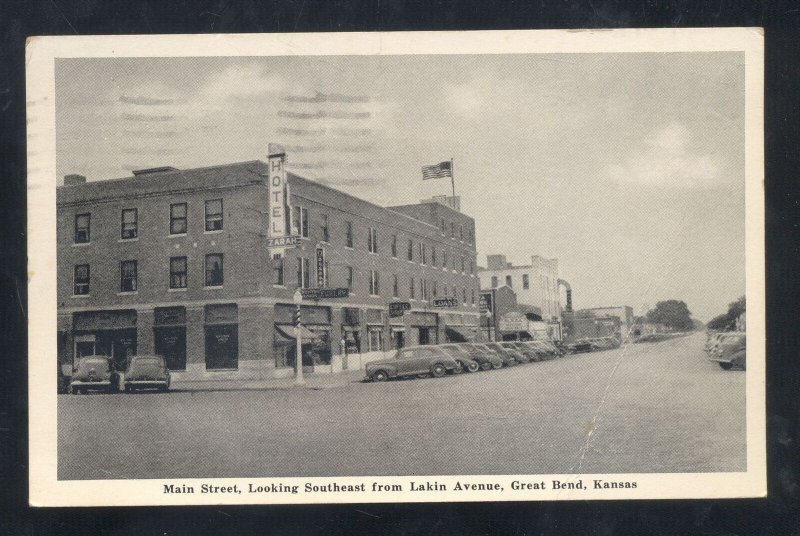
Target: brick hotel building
<point>175,262</point>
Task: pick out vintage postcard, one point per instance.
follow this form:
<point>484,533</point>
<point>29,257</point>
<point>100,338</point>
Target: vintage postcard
<point>396,267</point>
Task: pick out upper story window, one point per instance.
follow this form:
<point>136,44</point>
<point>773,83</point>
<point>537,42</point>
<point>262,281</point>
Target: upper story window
<point>300,223</point>
<point>177,218</point>
<point>394,246</point>
<point>435,290</point>
<point>372,240</point>
<point>82,228</point>
<point>423,287</point>
<point>177,272</point>
<point>471,267</point>
<point>508,281</point>
<point>433,255</point>
<point>130,224</point>
<point>127,276</point>
<point>395,286</point>
<point>374,287</point>
<point>444,259</point>
<point>452,230</point>
<point>303,272</point>
<point>461,232</point>
<point>411,289</point>
<point>277,269</point>
<point>525,282</point>
<point>214,215</point>
<point>443,226</point>
<point>494,281</point>
<point>348,234</point>
<point>410,249</point>
<point>81,280</point>
<point>464,296</point>
<point>463,264</point>
<point>215,274</point>
<point>423,253</point>
<point>470,235</point>
<point>324,228</point>
<point>472,300</point>
<point>350,278</point>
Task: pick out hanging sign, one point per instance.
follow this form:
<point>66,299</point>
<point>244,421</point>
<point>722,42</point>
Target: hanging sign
<point>278,197</point>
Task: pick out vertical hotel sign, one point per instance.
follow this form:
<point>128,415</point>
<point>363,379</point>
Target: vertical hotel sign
<point>278,197</point>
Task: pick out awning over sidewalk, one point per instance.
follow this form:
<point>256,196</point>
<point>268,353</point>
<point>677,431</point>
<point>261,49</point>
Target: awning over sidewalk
<point>288,332</point>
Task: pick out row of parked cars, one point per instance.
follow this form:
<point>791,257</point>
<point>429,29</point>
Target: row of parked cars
<point>728,348</point>
<point>592,344</point>
<point>97,373</point>
<point>455,358</point>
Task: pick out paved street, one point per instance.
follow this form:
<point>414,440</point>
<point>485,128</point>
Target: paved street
<point>666,408</point>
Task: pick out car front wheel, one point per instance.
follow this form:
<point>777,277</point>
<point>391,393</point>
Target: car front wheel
<point>380,376</point>
<point>473,367</point>
<point>726,366</point>
<point>486,366</point>
<point>438,370</point>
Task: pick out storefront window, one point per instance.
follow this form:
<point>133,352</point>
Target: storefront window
<point>375,339</point>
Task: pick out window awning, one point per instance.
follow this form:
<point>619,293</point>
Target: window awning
<point>288,332</point>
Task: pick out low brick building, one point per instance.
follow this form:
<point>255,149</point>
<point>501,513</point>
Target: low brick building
<point>176,262</point>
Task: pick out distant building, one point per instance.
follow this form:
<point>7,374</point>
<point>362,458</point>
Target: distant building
<point>615,321</point>
<point>534,284</point>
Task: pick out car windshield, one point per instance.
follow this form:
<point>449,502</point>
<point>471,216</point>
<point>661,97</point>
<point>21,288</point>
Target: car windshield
<point>145,362</point>
<point>97,362</point>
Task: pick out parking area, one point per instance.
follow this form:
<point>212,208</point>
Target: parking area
<point>653,407</point>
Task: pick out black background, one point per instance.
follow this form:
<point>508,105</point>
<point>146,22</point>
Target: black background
<point>775,515</point>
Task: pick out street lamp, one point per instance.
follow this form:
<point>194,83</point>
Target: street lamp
<point>298,358</point>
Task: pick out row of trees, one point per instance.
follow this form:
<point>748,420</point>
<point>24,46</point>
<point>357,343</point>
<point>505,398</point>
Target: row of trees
<point>727,321</point>
<point>674,314</point>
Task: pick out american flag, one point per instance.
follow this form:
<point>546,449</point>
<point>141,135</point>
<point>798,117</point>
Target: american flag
<point>438,171</point>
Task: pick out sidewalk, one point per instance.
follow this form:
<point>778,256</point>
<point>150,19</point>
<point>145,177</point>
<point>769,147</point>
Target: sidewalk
<point>312,381</point>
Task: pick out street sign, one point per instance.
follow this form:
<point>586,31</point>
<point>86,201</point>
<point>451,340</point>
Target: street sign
<point>513,321</point>
<point>398,308</point>
<point>282,241</point>
<point>323,293</point>
<point>445,302</point>
<point>485,303</point>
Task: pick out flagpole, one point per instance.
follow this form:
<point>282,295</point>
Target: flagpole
<point>453,182</point>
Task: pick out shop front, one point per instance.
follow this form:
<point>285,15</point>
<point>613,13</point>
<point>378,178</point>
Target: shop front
<point>423,328</point>
<point>351,335</point>
<point>222,336</point>
<point>315,337</point>
<point>169,336</point>
<point>109,333</point>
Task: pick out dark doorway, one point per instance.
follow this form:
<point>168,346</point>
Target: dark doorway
<point>222,347</point>
<point>170,343</point>
<point>424,335</point>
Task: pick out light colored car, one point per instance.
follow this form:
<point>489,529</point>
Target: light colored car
<point>412,361</point>
<point>93,373</point>
<point>461,355</point>
<point>147,372</point>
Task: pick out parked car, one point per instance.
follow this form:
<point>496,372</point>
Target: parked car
<point>508,359</point>
<point>412,361</point>
<point>543,350</point>
<point>461,355</point>
<point>147,372</point>
<point>580,345</point>
<point>485,357</point>
<point>513,353</point>
<point>94,373</point>
<point>530,353</point>
<point>732,352</point>
<point>604,343</point>
<point>62,386</point>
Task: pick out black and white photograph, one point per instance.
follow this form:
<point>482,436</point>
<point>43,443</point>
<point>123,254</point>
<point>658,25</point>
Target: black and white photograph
<point>445,266</point>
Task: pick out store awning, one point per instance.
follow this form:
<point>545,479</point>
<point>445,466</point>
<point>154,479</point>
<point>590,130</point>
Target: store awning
<point>288,332</point>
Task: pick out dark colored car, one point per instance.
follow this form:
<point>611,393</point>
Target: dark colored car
<point>412,361</point>
<point>147,372</point>
<point>542,349</point>
<point>461,355</point>
<point>486,358</point>
<point>732,352</point>
<point>508,361</point>
<point>579,346</point>
<point>525,350</point>
<point>94,373</point>
<point>513,353</point>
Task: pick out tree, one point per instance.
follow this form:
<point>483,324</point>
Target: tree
<point>719,322</point>
<point>672,313</point>
<point>727,321</point>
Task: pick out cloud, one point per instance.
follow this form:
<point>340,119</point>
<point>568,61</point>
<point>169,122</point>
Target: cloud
<point>666,158</point>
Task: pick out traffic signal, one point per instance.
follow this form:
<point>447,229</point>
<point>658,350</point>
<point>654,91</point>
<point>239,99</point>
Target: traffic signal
<point>296,317</point>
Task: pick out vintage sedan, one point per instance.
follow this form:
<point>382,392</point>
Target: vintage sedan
<point>461,355</point>
<point>94,373</point>
<point>513,353</point>
<point>147,372</point>
<point>732,352</point>
<point>507,359</point>
<point>485,357</point>
<point>525,350</point>
<point>412,361</point>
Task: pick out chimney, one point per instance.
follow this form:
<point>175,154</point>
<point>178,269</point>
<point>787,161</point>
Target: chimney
<point>74,180</point>
<point>496,262</point>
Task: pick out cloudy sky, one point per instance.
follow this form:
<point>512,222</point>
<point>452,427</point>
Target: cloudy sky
<point>628,168</point>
